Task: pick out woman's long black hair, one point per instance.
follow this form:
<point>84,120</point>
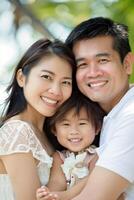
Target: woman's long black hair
<point>16,102</point>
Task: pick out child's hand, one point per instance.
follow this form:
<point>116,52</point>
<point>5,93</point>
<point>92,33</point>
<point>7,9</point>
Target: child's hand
<point>43,193</point>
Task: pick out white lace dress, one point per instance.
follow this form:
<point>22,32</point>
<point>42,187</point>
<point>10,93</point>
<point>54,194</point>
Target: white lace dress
<point>18,136</point>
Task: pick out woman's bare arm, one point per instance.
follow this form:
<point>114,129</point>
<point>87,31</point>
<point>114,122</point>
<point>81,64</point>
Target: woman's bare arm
<point>22,171</point>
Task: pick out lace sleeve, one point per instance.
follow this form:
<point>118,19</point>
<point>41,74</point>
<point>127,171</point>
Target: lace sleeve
<point>15,136</point>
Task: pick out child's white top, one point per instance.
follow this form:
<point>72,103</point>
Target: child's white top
<point>18,136</point>
<point>76,167</point>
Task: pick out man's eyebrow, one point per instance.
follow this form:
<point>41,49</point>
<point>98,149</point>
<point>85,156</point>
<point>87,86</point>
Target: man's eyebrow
<point>97,55</point>
<point>79,60</point>
<point>103,54</point>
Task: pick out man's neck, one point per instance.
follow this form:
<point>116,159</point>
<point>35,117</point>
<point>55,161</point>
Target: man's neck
<point>108,106</point>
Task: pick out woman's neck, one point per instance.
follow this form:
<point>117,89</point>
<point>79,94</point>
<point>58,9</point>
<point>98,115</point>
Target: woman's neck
<point>36,121</point>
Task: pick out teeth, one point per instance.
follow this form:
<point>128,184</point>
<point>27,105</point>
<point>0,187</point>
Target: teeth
<point>75,140</point>
<point>97,84</point>
<point>49,100</point>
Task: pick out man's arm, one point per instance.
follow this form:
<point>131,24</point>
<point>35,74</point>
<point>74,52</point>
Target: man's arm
<point>99,187</point>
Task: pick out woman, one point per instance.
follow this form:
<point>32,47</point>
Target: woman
<point>42,82</point>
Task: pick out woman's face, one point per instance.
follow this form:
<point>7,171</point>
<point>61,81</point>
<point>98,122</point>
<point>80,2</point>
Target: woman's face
<point>47,86</point>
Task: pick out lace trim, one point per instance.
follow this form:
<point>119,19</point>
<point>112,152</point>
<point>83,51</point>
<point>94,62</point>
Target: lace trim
<point>17,136</point>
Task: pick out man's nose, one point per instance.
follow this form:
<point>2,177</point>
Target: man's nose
<point>93,70</point>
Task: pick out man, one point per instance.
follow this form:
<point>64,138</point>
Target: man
<point>104,64</point>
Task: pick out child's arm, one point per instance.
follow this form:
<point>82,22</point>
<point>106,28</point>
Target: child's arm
<point>76,189</point>
<point>92,162</point>
<point>57,184</point>
<point>43,194</point>
<point>57,180</point>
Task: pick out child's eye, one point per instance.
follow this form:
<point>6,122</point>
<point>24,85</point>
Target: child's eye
<point>82,123</point>
<point>65,124</point>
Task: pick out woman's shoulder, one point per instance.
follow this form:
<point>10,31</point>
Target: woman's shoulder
<point>16,135</point>
<point>19,136</point>
<point>14,123</point>
<point>15,126</point>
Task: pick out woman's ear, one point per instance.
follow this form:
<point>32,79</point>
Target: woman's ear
<point>20,78</point>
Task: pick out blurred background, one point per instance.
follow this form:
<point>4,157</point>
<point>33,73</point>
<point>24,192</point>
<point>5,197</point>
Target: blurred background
<point>22,22</point>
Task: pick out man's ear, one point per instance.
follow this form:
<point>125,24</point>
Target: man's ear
<point>20,78</point>
<point>128,63</point>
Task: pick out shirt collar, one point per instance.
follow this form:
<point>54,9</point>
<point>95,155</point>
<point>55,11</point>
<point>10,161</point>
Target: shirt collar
<point>118,106</point>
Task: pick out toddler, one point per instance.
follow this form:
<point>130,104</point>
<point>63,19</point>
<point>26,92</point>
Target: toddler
<point>75,127</point>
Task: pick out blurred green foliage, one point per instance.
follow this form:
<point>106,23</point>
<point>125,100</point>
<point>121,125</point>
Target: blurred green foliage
<point>68,13</point>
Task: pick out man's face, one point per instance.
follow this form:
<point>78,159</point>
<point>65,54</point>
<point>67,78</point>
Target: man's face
<point>100,74</point>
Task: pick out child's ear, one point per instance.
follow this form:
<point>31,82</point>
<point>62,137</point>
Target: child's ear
<point>54,131</point>
<point>20,78</point>
<point>97,131</point>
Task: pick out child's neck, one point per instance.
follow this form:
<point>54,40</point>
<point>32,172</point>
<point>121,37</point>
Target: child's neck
<point>79,152</point>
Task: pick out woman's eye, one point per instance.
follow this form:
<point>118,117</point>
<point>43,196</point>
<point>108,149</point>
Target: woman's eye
<point>45,76</point>
<point>67,82</point>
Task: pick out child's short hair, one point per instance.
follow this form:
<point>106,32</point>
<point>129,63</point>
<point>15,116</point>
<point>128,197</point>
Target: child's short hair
<point>77,101</point>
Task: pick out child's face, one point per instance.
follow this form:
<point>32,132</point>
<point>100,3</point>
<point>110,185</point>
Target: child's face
<point>75,132</point>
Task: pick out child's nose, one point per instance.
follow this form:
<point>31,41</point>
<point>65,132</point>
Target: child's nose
<point>74,131</point>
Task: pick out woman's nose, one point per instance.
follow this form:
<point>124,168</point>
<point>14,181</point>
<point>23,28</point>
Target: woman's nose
<point>56,89</point>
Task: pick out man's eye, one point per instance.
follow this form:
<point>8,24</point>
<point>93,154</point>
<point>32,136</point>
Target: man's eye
<point>103,61</point>
<point>81,65</point>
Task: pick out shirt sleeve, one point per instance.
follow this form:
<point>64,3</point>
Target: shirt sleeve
<point>118,153</point>
<point>15,137</point>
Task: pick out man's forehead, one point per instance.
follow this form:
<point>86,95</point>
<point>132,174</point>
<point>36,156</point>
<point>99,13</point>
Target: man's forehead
<point>98,46</point>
